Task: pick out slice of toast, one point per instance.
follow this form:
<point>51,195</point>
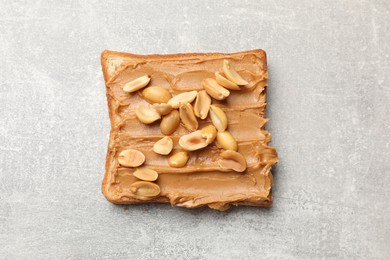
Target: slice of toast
<point>201,181</point>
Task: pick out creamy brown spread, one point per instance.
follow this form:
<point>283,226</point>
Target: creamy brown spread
<point>201,181</point>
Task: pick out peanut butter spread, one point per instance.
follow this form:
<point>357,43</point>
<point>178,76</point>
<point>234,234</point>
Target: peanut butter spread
<point>201,181</point>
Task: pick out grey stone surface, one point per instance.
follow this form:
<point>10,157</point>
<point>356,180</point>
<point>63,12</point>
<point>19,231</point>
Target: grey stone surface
<point>329,104</point>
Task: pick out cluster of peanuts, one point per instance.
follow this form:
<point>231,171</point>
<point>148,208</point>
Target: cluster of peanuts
<point>179,109</point>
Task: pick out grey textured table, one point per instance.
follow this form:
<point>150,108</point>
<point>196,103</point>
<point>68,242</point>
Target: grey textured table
<point>329,104</point>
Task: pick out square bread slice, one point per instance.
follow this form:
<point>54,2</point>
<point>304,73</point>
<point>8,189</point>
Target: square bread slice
<point>204,180</point>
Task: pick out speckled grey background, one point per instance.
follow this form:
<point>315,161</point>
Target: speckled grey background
<point>329,104</point>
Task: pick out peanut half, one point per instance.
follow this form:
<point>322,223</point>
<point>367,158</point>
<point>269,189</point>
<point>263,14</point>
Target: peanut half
<point>193,141</point>
<point>163,146</point>
<point>188,118</point>
<point>221,80</point>
<point>178,160</point>
<point>145,189</point>
<point>218,117</point>
<point>209,133</point>
<point>163,108</point>
<point>136,84</point>
<point>202,104</point>
<point>214,89</point>
<point>156,94</point>
<point>131,158</point>
<point>232,160</point>
<point>232,74</point>
<point>147,115</point>
<point>185,97</point>
<point>146,174</point>
<point>226,141</point>
<point>170,123</point>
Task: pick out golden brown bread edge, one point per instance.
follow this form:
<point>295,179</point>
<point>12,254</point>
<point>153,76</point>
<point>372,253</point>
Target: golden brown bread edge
<point>112,62</point>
